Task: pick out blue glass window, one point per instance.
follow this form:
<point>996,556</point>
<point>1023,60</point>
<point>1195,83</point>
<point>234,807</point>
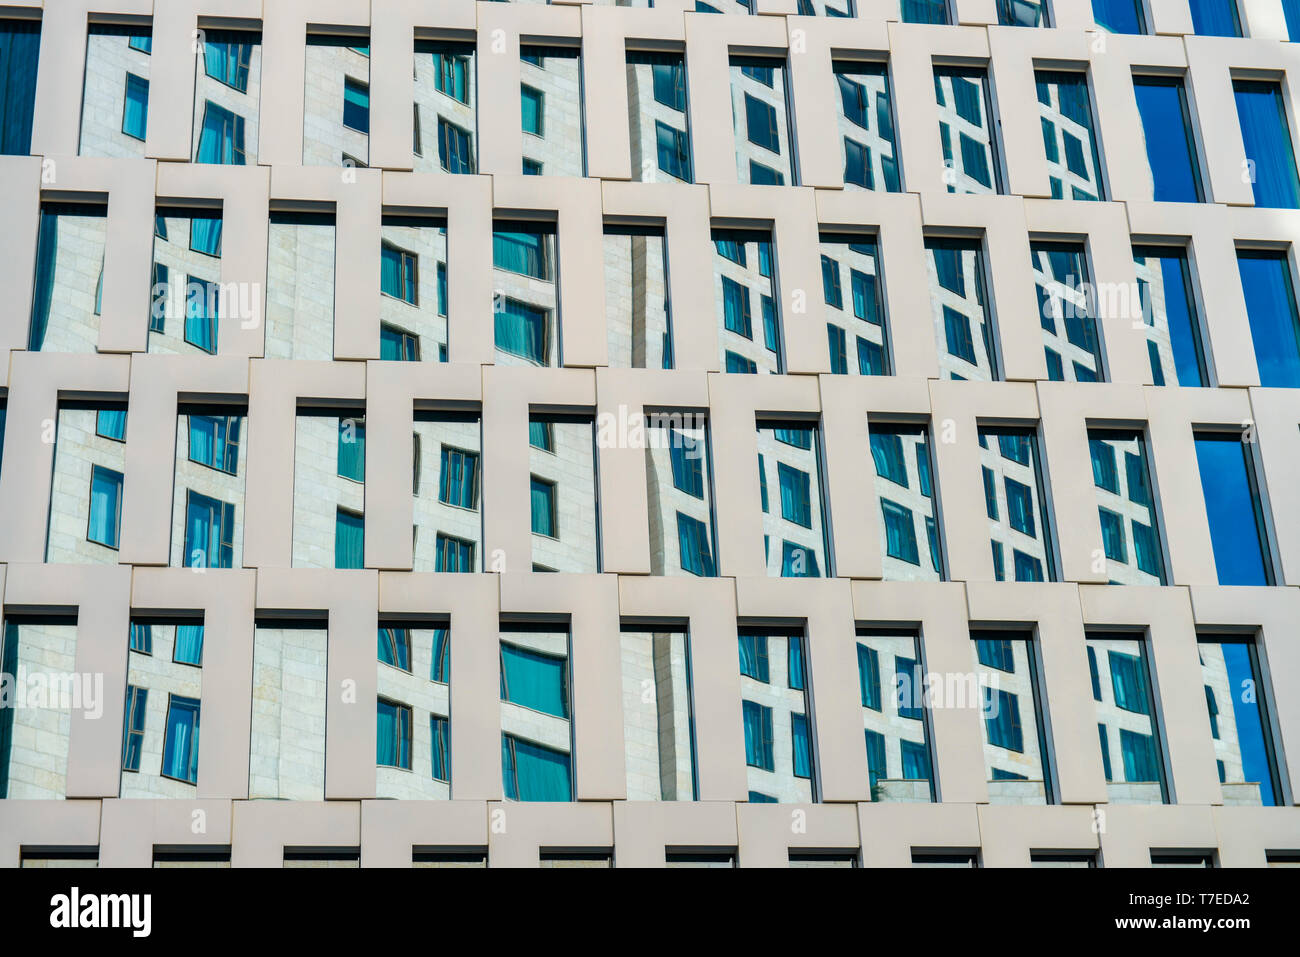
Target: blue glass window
<point>525,253</point>
<point>1171,147</point>
<point>1233,507</point>
<point>794,662</point>
<point>209,532</point>
<point>761,124</point>
<point>869,677</point>
<point>105,506</point>
<point>672,149</point>
<point>221,138</point>
<point>227,59</point>
<point>887,454</point>
<point>534,772</point>
<point>1119,16</point>
<point>440,747</point>
<point>900,532</point>
<point>1267,138</point>
<point>796,503</point>
<point>1093,674</point>
<point>735,308</point>
<point>135,108</point>
<point>352,449</point>
<point>455,148</point>
<point>925,11</point>
<point>205,235</point>
<point>397,273</point>
<point>686,456</point>
<point>836,343</point>
<point>349,539</point>
<point>451,75</point>
<point>181,740</point>
<point>356,105</point>
<point>142,638</point>
<point>1112,536</point>
<point>132,725</point>
<point>802,746</point>
<point>531,106</point>
<point>440,668</point>
<point>397,345</point>
<point>202,307</point>
<point>876,765</point>
<point>1215,18</point>
<point>669,76</point>
<point>693,546</point>
<point>753,656</point>
<point>758,736</point>
<point>20,48</point>
<point>394,647</point>
<point>1141,762</point>
<point>393,735</point>
<point>916,761</point>
<point>1021,13</point>
<point>543,507</point>
<point>1002,720</point>
<point>910,685</point>
<point>1231,664</point>
<point>1271,308</point>
<point>1128,681</point>
<point>996,653</point>
<point>535,680</point>
<point>458,478</point>
<point>798,561</point>
<point>453,554</point>
<point>1172,312</point>
<point>214,441</point>
<point>111,424</point>
<point>1105,751</point>
<point>1020,507</point>
<point>521,330</point>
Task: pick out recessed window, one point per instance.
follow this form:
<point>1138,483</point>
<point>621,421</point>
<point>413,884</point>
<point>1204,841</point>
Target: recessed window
<point>1126,504</point>
<point>1215,18</point>
<point>895,724</point>
<point>961,309</point>
<point>1015,756</point>
<point>1240,704</point>
<point>1266,281</point>
<point>356,105</point>
<point>1175,342</point>
<point>789,463</point>
<point>966,130</point>
<point>1016,505</point>
<point>1128,725</point>
<point>1234,507</point>
<point>1170,142</point>
<point>393,735</point>
<point>1270,157</point>
<point>778,739</point>
<point>1069,135</point>
<point>105,506</point>
<point>181,739</point>
<point>852,288</point>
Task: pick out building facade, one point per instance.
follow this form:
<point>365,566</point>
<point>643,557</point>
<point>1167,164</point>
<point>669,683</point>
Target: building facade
<point>794,443</point>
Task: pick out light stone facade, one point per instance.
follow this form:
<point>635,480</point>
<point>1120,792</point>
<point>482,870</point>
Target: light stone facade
<point>284,626</point>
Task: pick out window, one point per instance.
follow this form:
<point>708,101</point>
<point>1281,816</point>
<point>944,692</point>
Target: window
<point>1169,312</point>
<point>349,539</point>
<point>440,670</point>
<point>753,656</point>
<point>142,638</point>
<point>534,772</point>
<point>735,308</point>
<point>1170,145</point>
<point>795,502</point>
<point>535,680</point>
<point>960,308</point>
<point>900,532</point>
<point>135,109</point>
<point>1132,713</point>
<point>1007,670</point>
<point>925,11</point>
<point>670,82</point>
<point>1119,16</point>
<point>963,98</point>
<point>395,647</point>
<point>1062,283</point>
<point>111,424</point>
<point>673,149</point>
<point>1002,721</point>
<point>397,344</point>
<point>996,653</point>
<point>397,276</point>
<point>758,736</point>
<point>1127,494</point>
<point>1025,527</point>
<point>352,449</point>
<point>455,148</point>
<point>452,75</point>
<point>205,234</point>
<point>214,441</point>
<point>1065,107</point>
<point>393,735</point>
<point>541,435</point>
<point>801,746</point>
<point>227,60</point>
<point>521,330</point>
<point>221,138</point>
<point>1021,13</point>
<point>693,546</point>
<point>133,727</point>
<point>209,532</point>
<point>531,107</point>
<point>687,458</point>
<point>458,478</point>
<point>440,744</point>
<point>526,253</point>
<point>1267,138</point>
<point>454,554</point>
<point>201,310</point>
<point>1271,309</point>
<point>105,506</point>
<point>1215,18</point>
<point>761,124</point>
<point>20,47</point>
<point>356,105</point>
<point>188,647</point>
<point>1128,680</point>
<point>181,740</point>
<point>1246,742</point>
<point>1234,507</point>
<point>887,454</point>
<point>543,507</point>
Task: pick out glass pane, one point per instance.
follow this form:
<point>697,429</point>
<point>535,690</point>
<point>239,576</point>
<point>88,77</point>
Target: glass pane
<point>1127,725</point>
<point>1237,699</point>
<point>744,285</point>
<point>658,725</point>
<point>1018,517</point>
<point>1014,755</point>
<point>1234,509</point>
<point>966,131</point>
<point>891,679</point>
<point>793,524</point>
<point>1126,506</point>
<point>1173,328</point>
<point>779,750</point>
<point>638,315</point>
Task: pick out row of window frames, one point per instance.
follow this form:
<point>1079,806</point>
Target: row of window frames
<point>458,487</point>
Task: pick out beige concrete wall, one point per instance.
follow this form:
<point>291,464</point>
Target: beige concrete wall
<point>289,712</point>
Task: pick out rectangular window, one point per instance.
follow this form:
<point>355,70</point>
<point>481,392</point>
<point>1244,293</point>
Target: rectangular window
<point>398,345</point>
<point>1014,457</point>
<point>1014,749</point>
<point>673,151</point>
<point>105,506</point>
<point>862,313</point>
<point>1126,506</point>
<point>1169,313</point>
<point>531,105</point>
<point>135,109</point>
<point>452,75</point>
<point>209,532</point>
<point>133,727</point>
<point>963,321</point>
<point>792,455</point>
<point>352,449</point>
<point>867,122</point>
<point>925,11</point>
<point>397,274</point>
<point>1069,329</point>
<point>1234,507</point>
<point>693,546</point>
<point>900,454</point>
<point>455,148</point>
<point>761,117</point>
<point>1266,134</point>
<point>1246,742</point>
<point>221,137</point>
<point>779,763</point>
<point>1170,143</point>
<point>742,272</point>
<point>535,680</point>
<point>1215,18</point>
<point>141,638</point>
<point>458,478</point>
<point>20,47</point>
<point>534,772</point>
<point>1130,714</point>
<point>1266,281</point>
<point>1119,16</point>
<point>522,330</point>
<point>963,98</point>
<point>227,60</point>
<point>188,648</point>
<point>356,105</point>
<point>543,507</point>
<point>393,735</point>
<point>453,554</point>
<point>181,740</point>
<point>394,647</point>
<point>349,539</point>
<point>214,441</point>
<point>1065,109</point>
<point>524,252</point>
<point>201,310</point>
